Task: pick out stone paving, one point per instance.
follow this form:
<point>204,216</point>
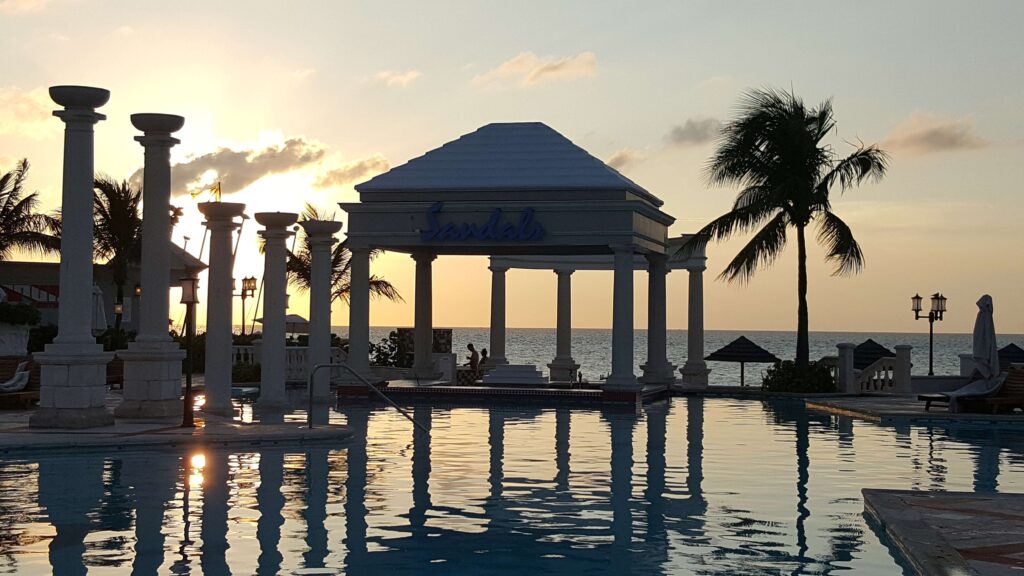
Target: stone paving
<point>17,437</point>
<point>947,533</point>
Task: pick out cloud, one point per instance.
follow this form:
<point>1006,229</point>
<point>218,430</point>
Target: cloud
<point>925,132</point>
<point>237,169</point>
<point>28,113</point>
<point>303,73</point>
<point>13,6</point>
<point>527,69</point>
<point>393,79</point>
<point>694,132</point>
<point>353,172</point>
<point>623,159</point>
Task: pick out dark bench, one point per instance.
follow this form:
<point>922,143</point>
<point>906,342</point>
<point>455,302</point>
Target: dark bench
<point>930,399</point>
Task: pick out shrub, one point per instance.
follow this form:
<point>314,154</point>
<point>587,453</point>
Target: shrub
<point>385,352</point>
<point>786,377</point>
<point>18,314</point>
<point>40,336</point>
<point>245,373</point>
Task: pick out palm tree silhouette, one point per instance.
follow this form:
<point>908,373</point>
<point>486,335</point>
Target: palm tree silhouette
<point>774,151</point>
<point>300,266</point>
<point>21,227</point>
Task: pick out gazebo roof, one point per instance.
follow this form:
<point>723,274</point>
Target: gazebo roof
<point>867,352</point>
<point>1011,354</point>
<point>516,156</point>
<point>742,350</point>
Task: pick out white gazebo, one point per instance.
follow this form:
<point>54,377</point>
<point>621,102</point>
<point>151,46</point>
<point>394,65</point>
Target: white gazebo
<point>526,196</point>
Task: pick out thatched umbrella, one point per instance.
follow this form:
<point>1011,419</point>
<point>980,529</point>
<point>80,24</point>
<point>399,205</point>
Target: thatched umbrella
<point>742,350</point>
<point>867,352</point>
<point>1010,354</point>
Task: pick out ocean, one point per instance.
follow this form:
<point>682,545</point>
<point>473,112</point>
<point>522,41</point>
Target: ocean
<point>591,348</point>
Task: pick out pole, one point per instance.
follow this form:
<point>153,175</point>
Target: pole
<point>243,310</point>
<point>931,342</point>
<point>190,320</point>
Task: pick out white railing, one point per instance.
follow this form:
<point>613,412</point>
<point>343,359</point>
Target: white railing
<point>296,360</point>
<point>879,376</point>
<point>243,355</point>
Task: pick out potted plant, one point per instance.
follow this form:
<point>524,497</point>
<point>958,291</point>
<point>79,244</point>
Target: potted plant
<point>15,322</point>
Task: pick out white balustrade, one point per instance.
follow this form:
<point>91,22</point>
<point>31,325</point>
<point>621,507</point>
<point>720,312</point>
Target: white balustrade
<point>296,360</point>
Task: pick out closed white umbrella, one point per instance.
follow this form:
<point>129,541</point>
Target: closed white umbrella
<point>99,315</point>
<point>986,353</point>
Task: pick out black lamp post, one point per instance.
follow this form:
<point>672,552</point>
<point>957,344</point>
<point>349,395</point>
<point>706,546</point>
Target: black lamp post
<point>248,290</point>
<point>936,313</point>
<point>189,297</point>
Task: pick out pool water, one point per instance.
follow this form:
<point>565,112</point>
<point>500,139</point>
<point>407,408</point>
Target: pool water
<point>686,486</point>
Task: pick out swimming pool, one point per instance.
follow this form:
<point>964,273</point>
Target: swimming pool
<point>686,486</point>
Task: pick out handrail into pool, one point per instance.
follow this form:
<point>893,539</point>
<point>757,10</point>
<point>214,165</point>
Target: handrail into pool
<point>309,384</point>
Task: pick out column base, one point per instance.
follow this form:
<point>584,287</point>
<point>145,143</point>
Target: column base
<point>663,374</point>
<point>563,369</point>
<point>695,375</point>
<point>621,383</point>
<point>494,361</point>
<point>73,387</point>
<point>152,381</point>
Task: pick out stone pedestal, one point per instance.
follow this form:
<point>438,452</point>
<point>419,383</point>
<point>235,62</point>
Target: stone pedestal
<point>220,220</point>
<point>563,368</point>
<point>74,368</point>
<point>152,364</point>
<point>320,236</point>
<point>275,283</point>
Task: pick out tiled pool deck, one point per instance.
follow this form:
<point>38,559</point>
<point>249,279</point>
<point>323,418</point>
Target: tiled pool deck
<point>890,409</point>
<point>953,533</point>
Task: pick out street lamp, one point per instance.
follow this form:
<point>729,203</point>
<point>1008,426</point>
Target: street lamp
<point>248,290</point>
<point>189,297</point>
<point>138,290</point>
<point>938,302</point>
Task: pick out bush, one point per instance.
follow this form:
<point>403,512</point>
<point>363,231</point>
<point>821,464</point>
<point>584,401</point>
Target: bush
<point>786,377</point>
<point>245,373</point>
<point>18,314</point>
<point>40,336</point>
<point>385,352</point>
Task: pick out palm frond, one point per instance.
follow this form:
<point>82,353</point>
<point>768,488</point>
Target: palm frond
<point>761,250</point>
<point>841,248</point>
<point>867,162</point>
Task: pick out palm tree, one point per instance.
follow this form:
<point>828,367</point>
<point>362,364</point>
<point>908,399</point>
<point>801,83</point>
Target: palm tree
<point>774,151</point>
<point>21,227</point>
<point>300,266</point>
<point>117,229</point>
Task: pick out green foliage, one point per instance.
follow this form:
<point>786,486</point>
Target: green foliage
<point>786,376</point>
<point>21,227</point>
<point>246,373</point>
<point>40,336</point>
<point>114,338</point>
<point>18,314</point>
<point>385,352</point>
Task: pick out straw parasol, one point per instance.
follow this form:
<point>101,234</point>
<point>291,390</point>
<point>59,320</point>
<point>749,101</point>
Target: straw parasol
<point>742,350</point>
<point>867,352</point>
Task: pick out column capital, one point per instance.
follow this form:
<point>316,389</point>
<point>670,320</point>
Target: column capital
<point>276,224</point>
<point>497,269</point>
<point>157,129</point>
<point>563,271</point>
<point>321,231</point>
<point>79,104</point>
<point>221,214</point>
<point>423,257</point>
<point>79,117</point>
<point>631,248</point>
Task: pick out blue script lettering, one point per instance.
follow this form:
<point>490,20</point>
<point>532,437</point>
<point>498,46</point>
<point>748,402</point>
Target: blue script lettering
<point>526,230</point>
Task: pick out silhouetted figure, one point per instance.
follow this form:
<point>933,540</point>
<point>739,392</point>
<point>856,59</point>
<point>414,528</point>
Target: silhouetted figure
<point>483,359</point>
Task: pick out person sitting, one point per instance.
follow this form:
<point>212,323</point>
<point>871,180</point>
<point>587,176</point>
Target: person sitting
<point>483,360</point>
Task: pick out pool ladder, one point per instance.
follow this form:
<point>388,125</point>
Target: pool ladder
<point>309,384</point>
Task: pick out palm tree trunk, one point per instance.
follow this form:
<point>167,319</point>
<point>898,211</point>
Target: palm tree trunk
<point>802,344</point>
<point>120,298</point>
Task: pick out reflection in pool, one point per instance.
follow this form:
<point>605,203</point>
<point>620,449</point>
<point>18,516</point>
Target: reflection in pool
<point>689,486</point>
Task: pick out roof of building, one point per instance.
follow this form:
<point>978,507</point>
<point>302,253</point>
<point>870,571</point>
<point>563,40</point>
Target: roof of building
<point>506,156</point>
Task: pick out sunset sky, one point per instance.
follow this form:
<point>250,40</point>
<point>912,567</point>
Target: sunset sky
<point>296,102</point>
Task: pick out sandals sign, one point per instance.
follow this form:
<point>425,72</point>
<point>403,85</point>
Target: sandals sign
<point>525,229</point>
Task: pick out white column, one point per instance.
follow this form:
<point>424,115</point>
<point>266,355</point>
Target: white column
<point>74,368</point>
<point>845,377</point>
<point>423,330</point>
<point>497,351</point>
<point>152,364</point>
<point>902,379</point>
<point>622,376</point>
<point>359,312</point>
<point>695,371</point>
<point>275,286</point>
<point>657,370</point>
<point>320,236</point>
<point>563,367</point>
<point>220,220</point>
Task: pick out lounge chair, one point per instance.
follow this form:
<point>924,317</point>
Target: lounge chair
<point>1005,394</point>
<point>18,382</point>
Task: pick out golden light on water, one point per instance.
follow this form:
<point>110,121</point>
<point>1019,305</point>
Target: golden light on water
<point>197,462</point>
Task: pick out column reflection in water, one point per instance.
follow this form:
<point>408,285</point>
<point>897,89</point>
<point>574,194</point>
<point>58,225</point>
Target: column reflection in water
<point>494,507</point>
<point>621,426</point>
<point>657,539</point>
<point>70,488</point>
<point>355,493</point>
<point>986,467</point>
<point>562,455</point>
<point>315,513</point>
<point>420,472</point>
<point>270,502</point>
<point>214,531</point>
<point>153,482</point>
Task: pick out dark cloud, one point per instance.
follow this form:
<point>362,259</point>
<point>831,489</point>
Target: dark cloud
<point>354,172</point>
<point>236,169</point>
<point>624,159</point>
<point>923,133</point>
<point>694,132</point>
